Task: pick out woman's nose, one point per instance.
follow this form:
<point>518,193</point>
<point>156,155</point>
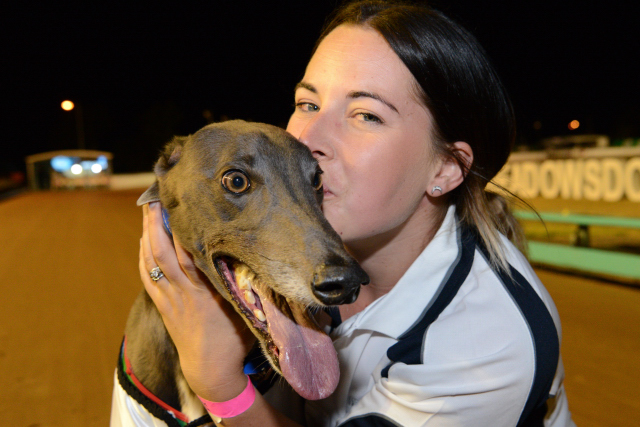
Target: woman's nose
<point>315,133</point>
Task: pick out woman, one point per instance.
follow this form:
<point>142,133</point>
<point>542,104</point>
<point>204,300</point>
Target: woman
<point>409,122</point>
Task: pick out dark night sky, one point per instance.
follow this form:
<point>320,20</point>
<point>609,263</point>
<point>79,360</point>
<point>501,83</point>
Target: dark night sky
<point>143,73</point>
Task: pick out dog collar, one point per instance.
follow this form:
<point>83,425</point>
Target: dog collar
<point>261,373</point>
<point>134,388</point>
<point>165,222</point>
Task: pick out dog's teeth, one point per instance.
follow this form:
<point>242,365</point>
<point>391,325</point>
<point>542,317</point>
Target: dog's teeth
<point>244,284</point>
<point>244,277</point>
<point>260,315</point>
<point>241,270</point>
<point>248,297</point>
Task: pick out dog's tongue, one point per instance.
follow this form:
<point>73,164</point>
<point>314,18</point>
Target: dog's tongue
<point>307,358</point>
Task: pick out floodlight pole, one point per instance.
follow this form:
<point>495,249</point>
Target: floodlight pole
<point>80,127</point>
<point>68,106</point>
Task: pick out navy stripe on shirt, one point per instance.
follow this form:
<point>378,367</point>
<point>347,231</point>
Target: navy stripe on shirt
<point>408,349</point>
<point>370,420</point>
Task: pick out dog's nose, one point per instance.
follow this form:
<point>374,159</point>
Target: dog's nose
<point>339,285</point>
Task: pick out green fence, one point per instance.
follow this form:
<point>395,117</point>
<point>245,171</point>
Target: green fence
<point>582,258</point>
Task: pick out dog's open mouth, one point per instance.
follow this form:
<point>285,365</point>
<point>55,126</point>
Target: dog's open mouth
<point>296,346</point>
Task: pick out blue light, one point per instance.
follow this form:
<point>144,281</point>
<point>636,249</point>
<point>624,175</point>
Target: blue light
<point>61,163</point>
<point>102,161</point>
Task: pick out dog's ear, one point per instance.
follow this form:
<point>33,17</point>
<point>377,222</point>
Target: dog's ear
<point>168,158</point>
<point>152,194</point>
<point>170,155</point>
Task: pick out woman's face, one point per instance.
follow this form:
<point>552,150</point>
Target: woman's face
<point>357,111</point>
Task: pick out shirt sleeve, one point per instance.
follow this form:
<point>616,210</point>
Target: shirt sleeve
<point>126,412</point>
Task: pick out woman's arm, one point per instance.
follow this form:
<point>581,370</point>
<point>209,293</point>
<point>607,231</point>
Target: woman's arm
<point>211,339</point>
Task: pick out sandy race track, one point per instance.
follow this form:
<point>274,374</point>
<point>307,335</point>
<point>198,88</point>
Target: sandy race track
<point>69,275</point>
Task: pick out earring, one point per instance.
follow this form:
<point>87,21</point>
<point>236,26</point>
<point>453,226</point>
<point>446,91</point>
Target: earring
<point>436,188</point>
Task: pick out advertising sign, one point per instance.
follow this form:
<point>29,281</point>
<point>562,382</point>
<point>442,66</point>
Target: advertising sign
<point>596,174</point>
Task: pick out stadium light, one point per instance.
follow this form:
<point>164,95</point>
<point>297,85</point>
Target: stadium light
<point>67,105</point>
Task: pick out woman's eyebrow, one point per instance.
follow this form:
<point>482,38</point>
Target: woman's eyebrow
<point>353,94</point>
<point>307,86</point>
<point>361,94</point>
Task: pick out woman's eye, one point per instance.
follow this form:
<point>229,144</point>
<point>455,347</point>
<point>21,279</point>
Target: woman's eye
<point>368,117</point>
<point>307,106</point>
<point>236,181</point>
<point>317,180</point>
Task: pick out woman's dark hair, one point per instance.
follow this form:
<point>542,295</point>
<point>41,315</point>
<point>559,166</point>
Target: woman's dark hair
<point>464,95</point>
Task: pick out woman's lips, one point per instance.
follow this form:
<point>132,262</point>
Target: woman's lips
<point>328,194</point>
<point>327,190</point>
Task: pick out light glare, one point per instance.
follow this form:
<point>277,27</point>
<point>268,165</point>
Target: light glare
<point>76,169</point>
<point>96,168</point>
<point>67,105</point>
<point>61,163</point>
<point>574,124</point>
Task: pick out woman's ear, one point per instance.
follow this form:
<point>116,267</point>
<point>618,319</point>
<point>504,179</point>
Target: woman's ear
<point>452,170</point>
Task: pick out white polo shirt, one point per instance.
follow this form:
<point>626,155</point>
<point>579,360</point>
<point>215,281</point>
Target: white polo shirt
<point>452,344</point>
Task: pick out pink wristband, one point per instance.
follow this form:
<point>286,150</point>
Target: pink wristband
<point>233,407</point>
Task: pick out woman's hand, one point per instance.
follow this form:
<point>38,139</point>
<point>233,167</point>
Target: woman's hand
<point>211,338</point>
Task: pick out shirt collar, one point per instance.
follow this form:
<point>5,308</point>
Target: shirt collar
<point>395,312</point>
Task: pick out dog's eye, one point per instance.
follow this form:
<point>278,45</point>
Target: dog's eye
<point>235,181</point>
<point>317,180</point>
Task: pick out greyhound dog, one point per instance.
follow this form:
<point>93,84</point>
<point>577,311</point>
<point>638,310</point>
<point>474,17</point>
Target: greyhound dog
<point>245,200</point>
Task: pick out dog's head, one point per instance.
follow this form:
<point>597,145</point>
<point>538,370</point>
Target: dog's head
<point>245,200</point>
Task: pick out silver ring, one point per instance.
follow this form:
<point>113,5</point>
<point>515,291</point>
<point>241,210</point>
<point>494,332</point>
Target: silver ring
<point>156,274</point>
<point>436,188</point>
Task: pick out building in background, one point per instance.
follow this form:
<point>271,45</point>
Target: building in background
<point>69,169</point>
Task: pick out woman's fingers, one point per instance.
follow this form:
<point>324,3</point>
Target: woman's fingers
<point>145,247</point>
<point>158,250</point>
<point>162,291</point>
<point>152,287</point>
<point>185,259</point>
<point>161,247</point>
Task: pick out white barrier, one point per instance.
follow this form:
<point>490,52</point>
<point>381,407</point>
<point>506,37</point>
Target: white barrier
<point>132,180</point>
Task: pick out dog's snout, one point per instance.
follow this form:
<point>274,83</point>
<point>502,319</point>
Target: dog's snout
<point>339,285</point>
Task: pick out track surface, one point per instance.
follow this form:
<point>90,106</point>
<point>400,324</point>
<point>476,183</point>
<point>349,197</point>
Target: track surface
<point>68,265</point>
